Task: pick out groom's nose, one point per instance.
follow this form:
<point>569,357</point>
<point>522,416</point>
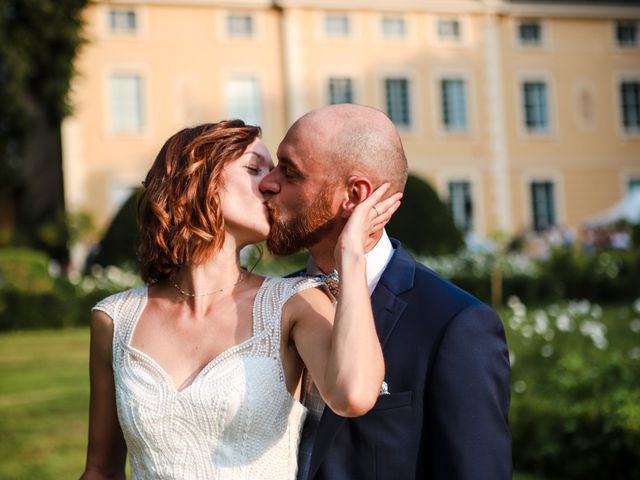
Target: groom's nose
<point>270,184</point>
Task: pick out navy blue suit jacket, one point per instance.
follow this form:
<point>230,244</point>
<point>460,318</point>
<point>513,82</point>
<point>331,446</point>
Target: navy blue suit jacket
<point>447,369</point>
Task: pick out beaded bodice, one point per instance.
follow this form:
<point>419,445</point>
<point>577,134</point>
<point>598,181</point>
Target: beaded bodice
<point>236,420</point>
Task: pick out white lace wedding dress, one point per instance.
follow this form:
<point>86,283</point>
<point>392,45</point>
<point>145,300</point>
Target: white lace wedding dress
<point>236,420</point>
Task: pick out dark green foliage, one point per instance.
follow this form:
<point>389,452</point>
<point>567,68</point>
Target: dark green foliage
<point>607,275</point>
<point>24,270</point>
<point>601,275</point>
<point>423,223</point>
<point>30,297</point>
<point>38,41</point>
<point>120,242</point>
<point>575,411</point>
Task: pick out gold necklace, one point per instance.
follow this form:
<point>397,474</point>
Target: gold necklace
<point>194,295</point>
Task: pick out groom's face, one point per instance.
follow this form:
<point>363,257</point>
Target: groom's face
<point>302,201</point>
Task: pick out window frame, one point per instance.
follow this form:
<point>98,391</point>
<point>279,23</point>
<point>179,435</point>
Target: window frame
<point>340,78</point>
<point>539,42</point>
<point>635,129</point>
<point>142,125</point>
<point>552,211</point>
<point>532,77</point>
<point>333,34</point>
<point>442,97</point>
<point>386,79</point>
<point>257,115</point>
<point>635,23</point>
<point>115,30</point>
<point>469,222</point>
<point>403,35</point>
<point>452,39</point>
<point>632,183</point>
<point>229,21</point>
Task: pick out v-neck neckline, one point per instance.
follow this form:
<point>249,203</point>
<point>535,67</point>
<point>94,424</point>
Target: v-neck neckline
<point>216,360</point>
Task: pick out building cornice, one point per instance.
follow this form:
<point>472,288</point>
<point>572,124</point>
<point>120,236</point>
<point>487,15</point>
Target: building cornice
<point>551,10</point>
<point>452,6</point>
<point>501,7</point>
<point>192,3</point>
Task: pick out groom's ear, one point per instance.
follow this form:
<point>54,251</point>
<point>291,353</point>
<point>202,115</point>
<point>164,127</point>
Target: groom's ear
<point>357,191</point>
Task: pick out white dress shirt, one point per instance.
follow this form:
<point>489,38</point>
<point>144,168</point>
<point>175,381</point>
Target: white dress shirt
<point>377,260</point>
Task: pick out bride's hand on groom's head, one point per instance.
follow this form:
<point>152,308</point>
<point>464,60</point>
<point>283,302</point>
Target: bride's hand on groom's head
<point>366,220</point>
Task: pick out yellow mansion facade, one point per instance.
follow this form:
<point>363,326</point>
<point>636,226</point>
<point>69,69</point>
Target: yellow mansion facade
<point>523,114</point>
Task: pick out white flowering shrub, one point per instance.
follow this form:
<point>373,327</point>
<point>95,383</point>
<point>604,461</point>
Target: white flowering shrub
<point>575,404</point>
<point>603,276</point>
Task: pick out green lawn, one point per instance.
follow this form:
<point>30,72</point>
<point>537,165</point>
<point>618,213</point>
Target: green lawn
<point>44,397</point>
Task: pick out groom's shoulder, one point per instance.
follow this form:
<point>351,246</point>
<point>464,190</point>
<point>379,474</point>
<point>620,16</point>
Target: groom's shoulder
<point>429,284</point>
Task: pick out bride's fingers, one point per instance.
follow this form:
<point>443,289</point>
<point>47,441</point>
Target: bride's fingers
<point>381,207</point>
<point>379,215</point>
<point>375,196</point>
<point>381,220</point>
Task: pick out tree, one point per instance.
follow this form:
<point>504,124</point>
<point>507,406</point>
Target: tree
<point>38,42</point>
<point>119,244</point>
<point>423,223</point>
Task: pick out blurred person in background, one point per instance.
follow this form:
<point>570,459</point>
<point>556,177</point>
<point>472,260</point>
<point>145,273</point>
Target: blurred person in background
<point>197,374</point>
<point>443,410</point>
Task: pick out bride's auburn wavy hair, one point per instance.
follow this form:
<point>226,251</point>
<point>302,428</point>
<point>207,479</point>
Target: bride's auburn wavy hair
<point>179,216</point>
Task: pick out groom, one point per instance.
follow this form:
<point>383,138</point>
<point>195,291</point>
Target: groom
<point>442,410</point>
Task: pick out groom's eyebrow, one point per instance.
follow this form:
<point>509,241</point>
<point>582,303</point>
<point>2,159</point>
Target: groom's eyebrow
<point>286,162</point>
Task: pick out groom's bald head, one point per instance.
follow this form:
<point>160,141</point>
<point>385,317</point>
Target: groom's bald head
<point>354,140</point>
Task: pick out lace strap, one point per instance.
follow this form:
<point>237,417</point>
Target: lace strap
<point>122,308</point>
<point>268,307</point>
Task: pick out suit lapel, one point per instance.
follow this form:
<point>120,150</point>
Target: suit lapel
<point>387,308</point>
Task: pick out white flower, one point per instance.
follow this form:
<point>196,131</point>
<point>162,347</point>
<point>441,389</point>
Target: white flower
<point>74,277</point>
<point>584,306</point>
<point>88,284</point>
<point>635,325</point>
<point>596,331</point>
<point>541,322</point>
<point>636,305</point>
<point>515,323</point>
<point>527,331</point>
<point>519,386</point>
<point>114,274</point>
<point>564,323</point>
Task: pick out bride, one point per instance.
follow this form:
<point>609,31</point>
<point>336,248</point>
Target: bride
<point>197,375</point>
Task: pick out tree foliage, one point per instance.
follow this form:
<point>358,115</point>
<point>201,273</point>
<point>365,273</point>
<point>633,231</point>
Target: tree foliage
<point>119,244</point>
<point>423,223</point>
<point>38,41</point>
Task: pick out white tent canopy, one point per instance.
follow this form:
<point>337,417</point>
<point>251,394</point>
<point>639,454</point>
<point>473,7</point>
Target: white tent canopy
<point>627,209</point>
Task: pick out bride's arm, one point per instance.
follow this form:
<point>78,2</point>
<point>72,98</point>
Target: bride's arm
<point>344,359</point>
<point>106,451</point>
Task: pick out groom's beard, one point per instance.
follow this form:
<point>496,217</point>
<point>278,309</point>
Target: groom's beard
<point>303,229</point>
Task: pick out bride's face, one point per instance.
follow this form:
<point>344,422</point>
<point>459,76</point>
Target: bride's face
<point>243,205</point>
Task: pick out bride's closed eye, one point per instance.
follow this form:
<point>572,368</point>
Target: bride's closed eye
<point>253,170</point>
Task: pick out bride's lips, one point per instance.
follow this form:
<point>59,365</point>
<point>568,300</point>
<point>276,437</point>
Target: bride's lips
<point>269,210</point>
